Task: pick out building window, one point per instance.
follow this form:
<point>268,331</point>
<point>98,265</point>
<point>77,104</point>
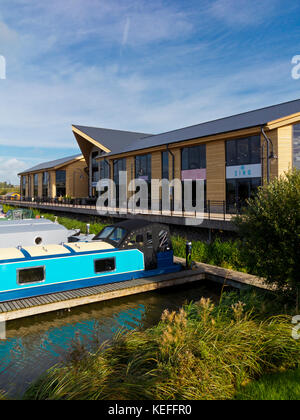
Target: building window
<point>143,167</point>
<point>119,165</point>
<point>29,186</point>
<point>45,184</point>
<point>238,191</point>
<point>296,146</point>
<point>60,183</point>
<point>244,151</point>
<point>36,185</point>
<point>105,265</point>
<point>23,186</point>
<point>193,157</point>
<point>104,169</point>
<point>95,167</point>
<point>31,275</point>
<point>165,165</point>
<point>143,171</point>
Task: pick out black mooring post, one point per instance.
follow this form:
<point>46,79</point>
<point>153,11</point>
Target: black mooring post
<point>188,255</point>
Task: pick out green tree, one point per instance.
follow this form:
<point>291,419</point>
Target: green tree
<point>270,232</point>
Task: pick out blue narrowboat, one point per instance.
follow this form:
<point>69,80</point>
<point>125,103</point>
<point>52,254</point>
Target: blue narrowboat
<point>128,250</point>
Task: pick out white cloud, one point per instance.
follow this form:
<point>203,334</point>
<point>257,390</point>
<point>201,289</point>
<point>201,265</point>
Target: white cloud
<point>40,114</point>
<point>9,168</point>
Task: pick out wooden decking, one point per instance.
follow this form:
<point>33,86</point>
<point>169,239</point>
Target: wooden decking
<point>65,300</point>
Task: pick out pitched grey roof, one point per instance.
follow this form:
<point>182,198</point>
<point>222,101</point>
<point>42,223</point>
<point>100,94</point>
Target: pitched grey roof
<point>249,119</point>
<point>113,140</point>
<point>51,164</point>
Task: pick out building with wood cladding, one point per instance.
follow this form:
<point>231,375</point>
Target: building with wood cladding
<point>59,178</point>
<point>233,155</point>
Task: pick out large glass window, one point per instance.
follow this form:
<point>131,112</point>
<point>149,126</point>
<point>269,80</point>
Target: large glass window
<point>165,165</point>
<point>193,157</point>
<point>36,185</point>
<point>119,165</point>
<point>143,167</point>
<point>29,185</point>
<point>23,186</point>
<point>60,183</point>
<point>244,151</point>
<point>95,167</point>
<point>143,171</point>
<point>239,190</point>
<point>45,184</point>
<point>104,169</point>
<point>296,146</point>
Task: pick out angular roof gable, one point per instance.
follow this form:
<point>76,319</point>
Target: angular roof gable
<point>113,140</point>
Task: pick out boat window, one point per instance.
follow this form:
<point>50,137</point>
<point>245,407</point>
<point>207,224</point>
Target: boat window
<point>38,240</point>
<point>105,265</point>
<point>164,244</point>
<point>31,275</point>
<point>112,233</point>
<point>105,232</point>
<point>117,234</point>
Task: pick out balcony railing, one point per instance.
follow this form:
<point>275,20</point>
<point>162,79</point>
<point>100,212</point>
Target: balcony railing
<point>213,209</point>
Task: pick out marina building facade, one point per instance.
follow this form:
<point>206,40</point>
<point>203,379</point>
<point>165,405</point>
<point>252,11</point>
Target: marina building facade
<point>233,156</point>
<point>66,177</point>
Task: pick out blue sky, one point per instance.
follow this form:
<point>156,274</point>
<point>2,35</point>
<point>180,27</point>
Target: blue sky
<point>135,65</point>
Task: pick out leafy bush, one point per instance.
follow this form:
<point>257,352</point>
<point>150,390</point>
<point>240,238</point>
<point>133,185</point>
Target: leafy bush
<point>270,232</point>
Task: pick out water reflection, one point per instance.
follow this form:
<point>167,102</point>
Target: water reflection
<point>35,344</point>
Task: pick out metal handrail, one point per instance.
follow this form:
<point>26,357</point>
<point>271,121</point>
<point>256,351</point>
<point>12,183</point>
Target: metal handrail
<point>213,209</point>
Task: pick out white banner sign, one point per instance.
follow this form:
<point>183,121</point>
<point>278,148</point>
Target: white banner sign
<point>243,171</point>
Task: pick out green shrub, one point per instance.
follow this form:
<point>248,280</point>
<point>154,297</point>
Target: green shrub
<point>270,232</point>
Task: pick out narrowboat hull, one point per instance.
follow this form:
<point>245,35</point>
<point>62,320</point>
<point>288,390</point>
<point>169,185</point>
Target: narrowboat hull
<point>126,251</point>
<point>70,272</point>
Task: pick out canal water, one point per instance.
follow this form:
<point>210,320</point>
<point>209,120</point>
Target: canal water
<point>37,343</point>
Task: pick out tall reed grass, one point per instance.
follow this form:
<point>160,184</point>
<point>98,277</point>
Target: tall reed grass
<point>201,352</point>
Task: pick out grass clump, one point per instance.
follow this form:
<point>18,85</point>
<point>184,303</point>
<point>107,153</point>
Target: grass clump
<point>222,254</point>
<point>277,386</point>
<point>201,352</point>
